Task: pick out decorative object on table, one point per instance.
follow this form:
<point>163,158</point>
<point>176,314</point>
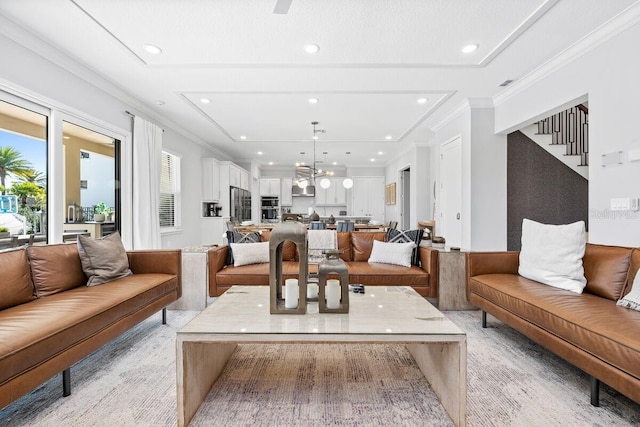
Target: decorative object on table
<point>438,242</point>
<point>4,232</point>
<point>332,219</point>
<point>333,294</point>
<point>314,216</point>
<point>357,289</point>
<point>297,233</point>
<point>100,212</point>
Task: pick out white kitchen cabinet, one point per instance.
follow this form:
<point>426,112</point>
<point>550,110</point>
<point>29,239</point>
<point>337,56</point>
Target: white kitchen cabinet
<point>335,195</point>
<point>244,180</point>
<point>235,176</point>
<point>210,180</point>
<point>285,192</point>
<point>212,230</point>
<point>270,187</point>
<point>367,197</point>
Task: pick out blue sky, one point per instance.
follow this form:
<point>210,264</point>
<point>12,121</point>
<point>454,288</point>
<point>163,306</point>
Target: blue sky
<point>33,150</point>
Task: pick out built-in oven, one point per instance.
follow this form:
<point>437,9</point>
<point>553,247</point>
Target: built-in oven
<point>270,208</point>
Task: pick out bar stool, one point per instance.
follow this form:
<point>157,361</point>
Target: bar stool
<point>317,225</point>
<point>343,226</point>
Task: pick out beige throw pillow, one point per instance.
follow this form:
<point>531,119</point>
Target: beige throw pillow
<point>103,260</point>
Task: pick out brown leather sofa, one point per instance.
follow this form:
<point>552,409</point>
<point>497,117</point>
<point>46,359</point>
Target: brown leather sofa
<point>49,319</point>
<point>588,330</point>
<point>356,248</point>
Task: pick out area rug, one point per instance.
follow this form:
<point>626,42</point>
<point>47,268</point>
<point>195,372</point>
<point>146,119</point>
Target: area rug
<point>511,382</point>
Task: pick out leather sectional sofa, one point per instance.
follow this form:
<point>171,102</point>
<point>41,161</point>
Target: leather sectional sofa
<point>588,330</point>
<point>356,248</point>
<point>49,319</point>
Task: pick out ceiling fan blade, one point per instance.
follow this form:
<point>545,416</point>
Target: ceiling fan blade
<point>282,7</point>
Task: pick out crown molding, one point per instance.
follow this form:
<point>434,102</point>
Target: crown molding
<point>62,59</point>
<point>462,108</point>
<point>616,25</point>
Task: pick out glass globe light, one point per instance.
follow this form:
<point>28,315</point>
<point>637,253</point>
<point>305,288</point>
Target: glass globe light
<point>325,183</point>
<point>347,183</point>
<point>303,183</point>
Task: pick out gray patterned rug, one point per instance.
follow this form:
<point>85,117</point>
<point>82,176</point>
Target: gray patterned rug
<point>511,382</point>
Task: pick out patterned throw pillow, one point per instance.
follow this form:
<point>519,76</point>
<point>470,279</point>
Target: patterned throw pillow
<point>632,299</point>
<point>404,236</point>
<point>237,237</point>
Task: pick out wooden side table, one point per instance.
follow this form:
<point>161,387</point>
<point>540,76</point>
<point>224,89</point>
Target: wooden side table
<point>452,283</point>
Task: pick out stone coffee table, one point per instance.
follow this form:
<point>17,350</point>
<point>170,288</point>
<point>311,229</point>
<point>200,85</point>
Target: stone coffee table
<point>393,314</point>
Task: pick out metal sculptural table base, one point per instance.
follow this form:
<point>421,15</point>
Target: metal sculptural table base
<point>389,315</point>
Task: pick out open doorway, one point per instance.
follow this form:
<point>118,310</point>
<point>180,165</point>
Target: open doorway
<point>405,198</point>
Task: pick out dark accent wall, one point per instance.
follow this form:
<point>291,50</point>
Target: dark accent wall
<point>540,187</point>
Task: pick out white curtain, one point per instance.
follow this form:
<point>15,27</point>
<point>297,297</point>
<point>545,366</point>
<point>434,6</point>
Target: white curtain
<point>147,151</point>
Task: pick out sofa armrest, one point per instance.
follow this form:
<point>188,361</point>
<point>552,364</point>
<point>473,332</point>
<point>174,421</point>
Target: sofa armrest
<point>167,261</point>
<point>217,256</point>
<point>505,262</point>
<point>429,263</point>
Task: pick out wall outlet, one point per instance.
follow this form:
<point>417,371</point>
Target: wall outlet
<point>625,204</point>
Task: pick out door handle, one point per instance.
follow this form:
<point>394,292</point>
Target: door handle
<point>458,215</point>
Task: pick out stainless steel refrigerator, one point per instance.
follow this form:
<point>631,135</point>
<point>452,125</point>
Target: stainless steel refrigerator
<point>240,204</point>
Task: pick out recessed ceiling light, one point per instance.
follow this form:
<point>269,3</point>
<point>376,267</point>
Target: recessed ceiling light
<point>315,137</point>
<point>270,163</point>
<point>152,49</point>
<point>313,100</point>
<point>243,137</point>
<point>380,153</point>
<point>422,100</point>
<point>259,153</point>
<point>388,137</point>
<point>469,48</point>
<point>311,48</point>
<point>159,103</point>
<point>205,100</point>
<point>334,163</point>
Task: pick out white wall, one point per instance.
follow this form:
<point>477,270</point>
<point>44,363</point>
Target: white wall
<point>484,177</point>
<point>608,76</point>
<point>417,158</point>
<point>30,76</point>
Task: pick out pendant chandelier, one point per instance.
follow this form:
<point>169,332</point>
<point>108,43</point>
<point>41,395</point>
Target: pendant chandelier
<point>307,175</point>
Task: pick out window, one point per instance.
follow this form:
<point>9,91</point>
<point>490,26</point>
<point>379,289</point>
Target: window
<point>170,191</point>
<point>23,170</point>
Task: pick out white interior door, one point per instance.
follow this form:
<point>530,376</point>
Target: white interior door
<point>449,224</point>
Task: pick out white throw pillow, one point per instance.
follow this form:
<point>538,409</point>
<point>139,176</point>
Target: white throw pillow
<point>250,253</point>
<point>552,254</point>
<point>632,299</point>
<point>392,253</point>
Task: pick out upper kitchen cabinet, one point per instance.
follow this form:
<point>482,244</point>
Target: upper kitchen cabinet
<point>335,195</point>
<point>367,197</point>
<point>270,187</point>
<point>210,180</point>
<point>285,192</point>
<point>238,177</point>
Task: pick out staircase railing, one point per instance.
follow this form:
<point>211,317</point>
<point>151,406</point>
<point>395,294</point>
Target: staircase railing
<point>569,128</point>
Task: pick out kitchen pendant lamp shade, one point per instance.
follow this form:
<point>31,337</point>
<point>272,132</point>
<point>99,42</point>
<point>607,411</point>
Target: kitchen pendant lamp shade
<point>347,183</point>
<point>325,183</point>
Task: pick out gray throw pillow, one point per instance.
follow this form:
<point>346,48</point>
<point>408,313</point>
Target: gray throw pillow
<point>103,260</point>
